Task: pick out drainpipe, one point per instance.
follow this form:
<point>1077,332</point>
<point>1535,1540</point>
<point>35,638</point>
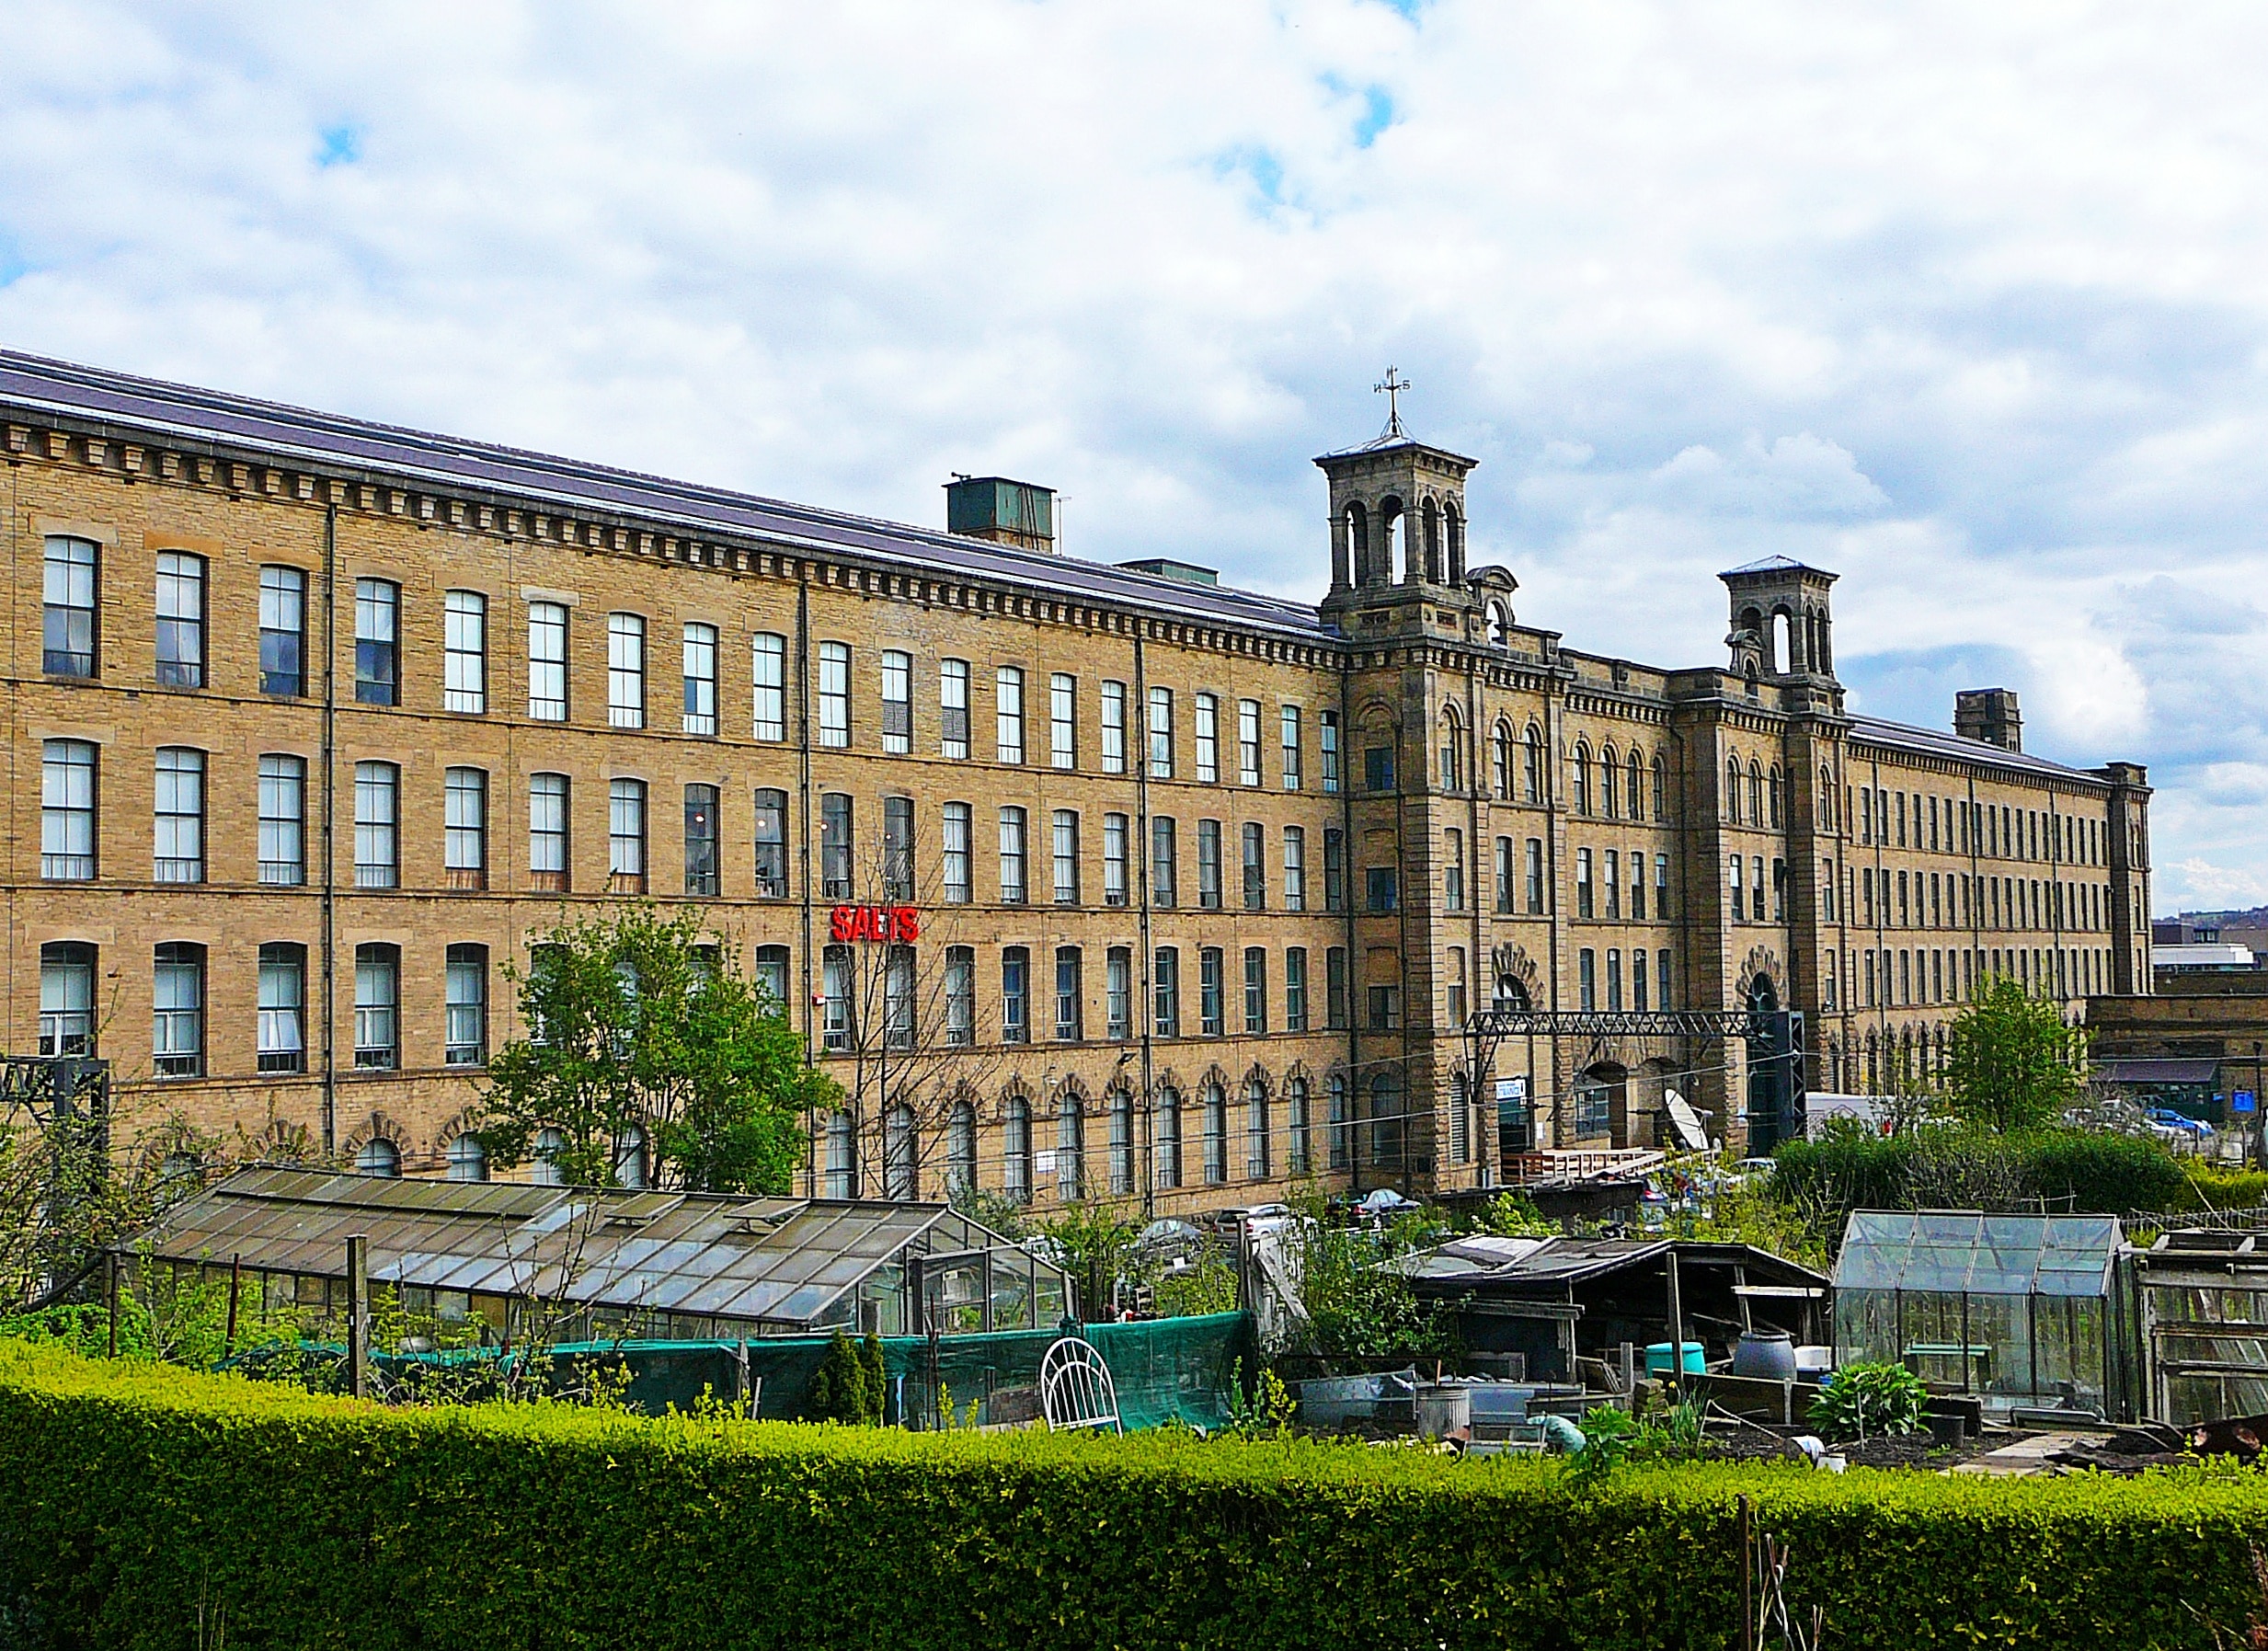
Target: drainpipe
<point>330,812</point>
<point>1137,738</point>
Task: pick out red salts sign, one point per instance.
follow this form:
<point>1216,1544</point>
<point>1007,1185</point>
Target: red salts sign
<point>899,925</point>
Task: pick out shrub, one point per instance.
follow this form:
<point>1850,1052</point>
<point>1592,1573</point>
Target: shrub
<point>1974,1169</point>
<point>847,1386</point>
<point>1869,1399</point>
<point>134,1496</point>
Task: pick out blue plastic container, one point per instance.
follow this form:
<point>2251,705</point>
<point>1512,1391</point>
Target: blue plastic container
<point>1657,1360</point>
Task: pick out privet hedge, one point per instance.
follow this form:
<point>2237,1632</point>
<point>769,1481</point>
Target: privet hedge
<point>133,1497</point>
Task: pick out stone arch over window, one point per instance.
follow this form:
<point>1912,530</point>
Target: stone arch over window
<point>1501,748</point>
<point>1436,566</point>
<point>1454,534</point>
<point>1580,800</point>
<point>1826,797</point>
<point>1756,792</point>
<point>1610,783</point>
<point>1536,775</point>
<point>1661,789</point>
<point>1761,966</point>
<point>1634,788</point>
<point>1500,624</point>
<point>1732,790</point>
<point>1358,541</point>
<point>1518,984</point>
<point>1771,786</point>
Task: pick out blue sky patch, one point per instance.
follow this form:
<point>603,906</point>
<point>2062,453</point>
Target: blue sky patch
<point>341,146</point>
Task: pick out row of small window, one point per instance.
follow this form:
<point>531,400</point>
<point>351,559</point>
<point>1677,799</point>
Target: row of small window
<point>910,1007</point>
<point>467,1160</point>
<point>71,613</point>
<point>69,970</point>
<point>1886,979</point>
<point>1951,825</point>
<point>1596,988</point>
<point>1960,901</point>
<point>1277,1135</point>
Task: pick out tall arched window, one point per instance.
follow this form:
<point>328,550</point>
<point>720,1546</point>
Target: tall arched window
<point>1167,1123</point>
<point>1452,749</point>
<point>1121,1141</point>
<point>1337,1145</point>
<point>1532,780</point>
<point>1755,793</point>
<point>1386,1120</point>
<point>1609,783</point>
<point>961,1148</point>
<point>1257,1155</point>
<point>900,1178</point>
<point>1358,541</point>
<point>1772,788</point>
<point>1826,797</point>
<point>1298,1154</point>
<point>1017,1149</point>
<point>1215,1124</point>
<point>1070,1149</point>
<point>1732,790</point>
<point>1432,518</point>
<point>1502,747</point>
<point>1582,778</point>
<point>1661,789</point>
<point>1453,530</point>
<point>1637,788</point>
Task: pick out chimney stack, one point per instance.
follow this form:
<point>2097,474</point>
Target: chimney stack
<point>1989,714</point>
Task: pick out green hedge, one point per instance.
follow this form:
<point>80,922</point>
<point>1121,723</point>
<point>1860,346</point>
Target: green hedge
<point>132,1497</point>
<point>1970,1169</point>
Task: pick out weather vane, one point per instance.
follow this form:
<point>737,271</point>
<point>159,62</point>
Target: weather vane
<point>1391,389</point>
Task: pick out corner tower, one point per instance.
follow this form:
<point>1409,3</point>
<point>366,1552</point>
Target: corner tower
<point>1784,623</point>
<point>1397,535</point>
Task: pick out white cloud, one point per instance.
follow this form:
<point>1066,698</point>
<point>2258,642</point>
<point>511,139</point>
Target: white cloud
<point>1969,303</point>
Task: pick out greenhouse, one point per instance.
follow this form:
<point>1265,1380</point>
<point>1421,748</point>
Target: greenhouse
<point>2023,1311</point>
<point>494,1258</point>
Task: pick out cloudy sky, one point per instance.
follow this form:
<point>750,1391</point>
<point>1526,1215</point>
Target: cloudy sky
<point>1965,301</point>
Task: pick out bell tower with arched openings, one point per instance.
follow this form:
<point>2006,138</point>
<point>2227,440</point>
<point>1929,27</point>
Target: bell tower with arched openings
<point>1782,622</point>
<point>1397,533</point>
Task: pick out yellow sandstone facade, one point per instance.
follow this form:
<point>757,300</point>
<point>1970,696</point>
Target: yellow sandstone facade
<point>1153,888</point>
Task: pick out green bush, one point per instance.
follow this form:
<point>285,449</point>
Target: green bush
<point>1869,1399</point>
<point>135,1498</point>
<point>1976,1169</point>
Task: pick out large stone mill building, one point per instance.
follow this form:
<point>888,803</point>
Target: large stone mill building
<point>1078,876</point>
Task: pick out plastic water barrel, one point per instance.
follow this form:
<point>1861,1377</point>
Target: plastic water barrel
<point>1657,1359</point>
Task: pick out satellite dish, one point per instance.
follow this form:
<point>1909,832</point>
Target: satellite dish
<point>1685,1122</point>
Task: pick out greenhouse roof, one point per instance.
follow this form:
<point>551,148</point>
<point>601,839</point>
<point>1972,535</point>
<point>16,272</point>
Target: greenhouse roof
<point>1966,1251</point>
<point>781,1261</point>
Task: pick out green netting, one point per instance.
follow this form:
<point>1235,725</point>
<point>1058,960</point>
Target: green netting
<point>1164,1370</point>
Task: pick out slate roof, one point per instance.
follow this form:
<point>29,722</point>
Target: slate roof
<point>1958,748</point>
<point>211,421</point>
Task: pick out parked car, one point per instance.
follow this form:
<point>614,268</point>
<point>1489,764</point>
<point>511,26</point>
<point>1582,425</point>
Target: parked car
<point>2170,1125</point>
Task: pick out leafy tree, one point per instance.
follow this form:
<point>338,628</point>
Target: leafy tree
<point>2013,1063</point>
<point>1358,1308</point>
<point>641,1025</point>
<point>1096,1246</point>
